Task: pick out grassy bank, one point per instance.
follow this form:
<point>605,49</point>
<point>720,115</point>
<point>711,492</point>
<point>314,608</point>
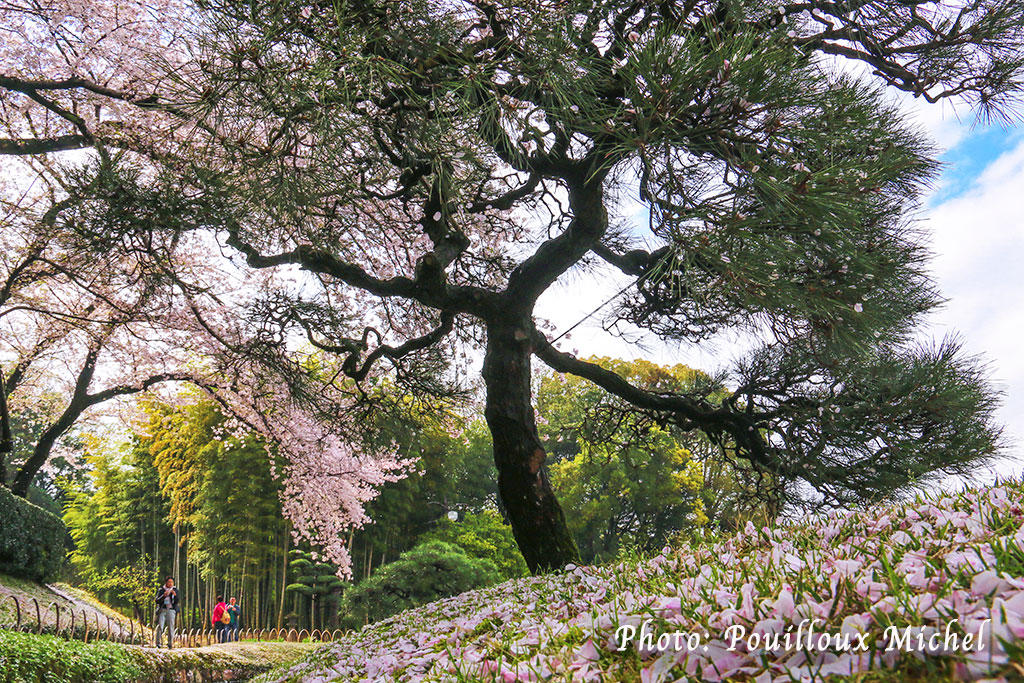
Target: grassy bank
<point>26,658</point>
<point>67,597</point>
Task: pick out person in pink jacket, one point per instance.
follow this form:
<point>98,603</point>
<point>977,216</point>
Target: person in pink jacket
<point>219,625</point>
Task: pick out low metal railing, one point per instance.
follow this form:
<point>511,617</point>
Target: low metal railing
<point>206,636</point>
<point>67,624</point>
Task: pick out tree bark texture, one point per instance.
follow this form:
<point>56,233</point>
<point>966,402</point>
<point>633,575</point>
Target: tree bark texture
<point>538,522</point>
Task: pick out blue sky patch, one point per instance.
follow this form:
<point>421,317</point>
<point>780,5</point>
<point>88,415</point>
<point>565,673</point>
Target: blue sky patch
<point>966,161</point>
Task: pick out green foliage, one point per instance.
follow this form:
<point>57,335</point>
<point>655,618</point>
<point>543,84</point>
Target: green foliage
<point>637,496</point>
<point>225,499</point>
<point>455,471</point>
<point>117,520</point>
<point>33,542</point>
<point>28,658</point>
<point>430,571</point>
<point>625,479</point>
<point>132,584</point>
<point>207,477</point>
<point>484,535</point>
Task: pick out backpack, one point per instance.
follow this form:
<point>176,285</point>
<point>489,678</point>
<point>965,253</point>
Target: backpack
<point>225,617</point>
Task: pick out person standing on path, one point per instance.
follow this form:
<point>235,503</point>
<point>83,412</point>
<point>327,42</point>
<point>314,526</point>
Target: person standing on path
<point>166,611</point>
<point>221,619</point>
<point>236,613</point>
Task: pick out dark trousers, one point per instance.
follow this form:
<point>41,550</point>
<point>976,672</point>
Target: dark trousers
<point>221,630</point>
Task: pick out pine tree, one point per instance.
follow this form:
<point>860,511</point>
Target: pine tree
<point>438,167</point>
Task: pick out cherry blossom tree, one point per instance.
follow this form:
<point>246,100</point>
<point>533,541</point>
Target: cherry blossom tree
<point>435,168</point>
<point>97,320</point>
<point>108,319</point>
<point>53,301</point>
<point>87,326</point>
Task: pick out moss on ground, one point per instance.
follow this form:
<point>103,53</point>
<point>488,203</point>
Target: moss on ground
<point>27,658</point>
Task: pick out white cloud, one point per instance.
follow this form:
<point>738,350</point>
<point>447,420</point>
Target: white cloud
<point>978,240</point>
<point>947,125</point>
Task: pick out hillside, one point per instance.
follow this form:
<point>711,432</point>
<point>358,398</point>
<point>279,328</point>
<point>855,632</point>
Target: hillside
<point>928,590</point>
<point>65,596</point>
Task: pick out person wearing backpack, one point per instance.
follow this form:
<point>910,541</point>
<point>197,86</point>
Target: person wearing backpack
<point>236,612</point>
<point>221,619</point>
<point>166,611</point>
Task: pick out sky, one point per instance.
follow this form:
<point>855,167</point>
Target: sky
<point>975,215</point>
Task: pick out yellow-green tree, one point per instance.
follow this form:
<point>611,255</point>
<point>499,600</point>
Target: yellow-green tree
<point>626,476</point>
<point>636,496</point>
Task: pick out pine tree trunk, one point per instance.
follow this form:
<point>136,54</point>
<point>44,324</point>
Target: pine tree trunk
<point>537,520</point>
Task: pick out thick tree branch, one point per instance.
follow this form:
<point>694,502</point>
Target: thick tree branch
<point>396,353</point>
<point>634,262</point>
<point>137,387</point>
<point>27,85</point>
<point>428,287</point>
<point>556,255</point>
<point>689,413</point>
<point>27,146</point>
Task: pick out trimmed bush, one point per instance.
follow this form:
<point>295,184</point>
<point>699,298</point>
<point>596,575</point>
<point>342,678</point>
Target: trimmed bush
<point>25,658</point>
<point>33,542</point>
<point>28,658</point>
<point>430,571</point>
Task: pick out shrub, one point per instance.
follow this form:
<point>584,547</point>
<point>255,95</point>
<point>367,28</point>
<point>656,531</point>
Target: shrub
<point>430,571</point>
<point>33,542</point>
<point>25,657</point>
<point>484,535</point>
<point>29,658</point>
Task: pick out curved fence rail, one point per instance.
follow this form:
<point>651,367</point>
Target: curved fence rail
<point>30,616</point>
<point>206,636</point>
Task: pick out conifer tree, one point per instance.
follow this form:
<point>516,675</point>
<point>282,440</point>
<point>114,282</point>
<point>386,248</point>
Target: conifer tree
<point>438,167</point>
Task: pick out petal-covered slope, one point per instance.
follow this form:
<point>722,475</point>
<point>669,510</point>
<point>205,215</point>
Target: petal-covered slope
<point>933,588</point>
